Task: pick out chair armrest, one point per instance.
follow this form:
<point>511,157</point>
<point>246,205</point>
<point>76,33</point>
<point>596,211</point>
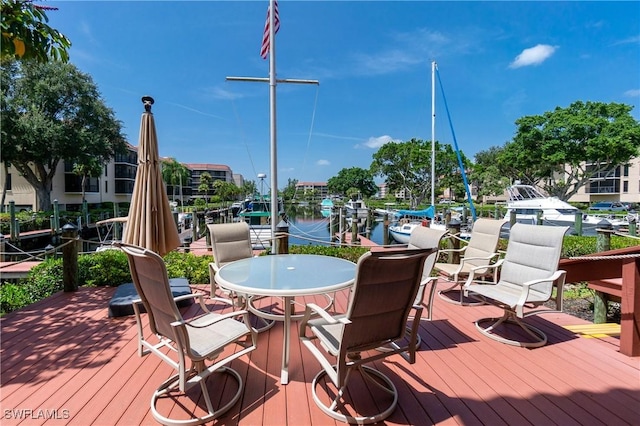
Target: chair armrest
<point>452,250</point>
<point>526,289</point>
<point>472,273</point>
<point>213,320</point>
<point>313,308</point>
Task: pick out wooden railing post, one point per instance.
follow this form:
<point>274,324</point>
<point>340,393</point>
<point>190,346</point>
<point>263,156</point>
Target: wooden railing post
<point>70,258</point>
<point>354,228</point>
<point>385,230</point>
<point>578,223</point>
<point>454,230</point>
<point>281,240</point>
<point>630,308</point>
<point>601,299</point>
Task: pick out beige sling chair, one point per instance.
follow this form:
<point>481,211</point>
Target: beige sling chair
<point>208,342</point>
<point>231,242</point>
<point>480,250</point>
<point>528,274</point>
<point>384,294</point>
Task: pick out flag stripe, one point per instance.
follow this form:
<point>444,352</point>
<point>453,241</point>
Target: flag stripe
<point>264,50</point>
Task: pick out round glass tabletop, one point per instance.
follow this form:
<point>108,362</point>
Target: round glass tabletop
<point>287,274</point>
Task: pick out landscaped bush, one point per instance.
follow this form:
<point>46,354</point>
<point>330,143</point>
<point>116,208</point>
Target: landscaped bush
<point>194,268</point>
<point>349,253</point>
<point>103,268</point>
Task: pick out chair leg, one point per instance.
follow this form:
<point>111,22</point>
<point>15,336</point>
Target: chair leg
<point>371,375</point>
<point>540,339</point>
<point>448,295</point>
<point>172,384</point>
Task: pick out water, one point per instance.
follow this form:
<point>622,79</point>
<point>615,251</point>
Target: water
<point>310,227</point>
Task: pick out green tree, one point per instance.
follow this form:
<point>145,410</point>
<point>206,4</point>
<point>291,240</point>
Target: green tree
<point>52,112</point>
<point>89,167</point>
<point>354,177</point>
<point>249,188</point>
<point>175,174</point>
<point>225,190</point>
<point>289,191</point>
<point>561,150</point>
<point>206,184</point>
<point>451,179</point>
<point>26,34</point>
<point>406,166</point>
<point>487,175</point>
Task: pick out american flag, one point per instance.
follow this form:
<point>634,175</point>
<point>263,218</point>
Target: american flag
<point>264,50</point>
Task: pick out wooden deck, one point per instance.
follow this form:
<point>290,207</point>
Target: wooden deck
<point>65,362</point>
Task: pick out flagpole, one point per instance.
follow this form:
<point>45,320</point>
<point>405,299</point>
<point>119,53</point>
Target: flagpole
<point>272,127</point>
<point>273,24</point>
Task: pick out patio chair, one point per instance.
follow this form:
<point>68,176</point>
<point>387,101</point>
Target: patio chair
<point>204,341</point>
<point>383,295</point>
<point>528,274</point>
<point>231,242</point>
<point>479,250</point>
<point>422,238</point>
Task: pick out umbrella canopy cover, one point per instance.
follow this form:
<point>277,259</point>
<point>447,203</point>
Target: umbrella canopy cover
<point>150,222</point>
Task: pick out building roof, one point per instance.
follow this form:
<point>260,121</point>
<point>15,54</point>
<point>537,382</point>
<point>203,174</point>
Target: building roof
<point>205,166</point>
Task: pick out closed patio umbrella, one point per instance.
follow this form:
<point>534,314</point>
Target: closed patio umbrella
<point>150,223</point>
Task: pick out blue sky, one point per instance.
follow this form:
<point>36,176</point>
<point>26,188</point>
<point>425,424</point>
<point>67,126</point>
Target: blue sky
<point>498,61</point>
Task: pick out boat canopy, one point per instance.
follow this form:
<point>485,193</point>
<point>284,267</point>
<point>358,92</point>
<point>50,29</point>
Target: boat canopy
<point>428,212</point>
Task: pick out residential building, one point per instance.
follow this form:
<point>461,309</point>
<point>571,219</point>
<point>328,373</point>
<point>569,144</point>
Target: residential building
<point>216,171</point>
<point>319,189</point>
<point>115,184</point>
<point>620,183</point>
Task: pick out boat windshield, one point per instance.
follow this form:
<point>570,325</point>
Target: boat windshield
<point>524,192</point>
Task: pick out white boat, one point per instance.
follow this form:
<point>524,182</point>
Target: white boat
<point>401,230</point>
<point>528,202</point>
<point>357,207</point>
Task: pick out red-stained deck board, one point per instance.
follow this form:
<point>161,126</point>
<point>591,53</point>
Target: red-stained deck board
<point>64,353</point>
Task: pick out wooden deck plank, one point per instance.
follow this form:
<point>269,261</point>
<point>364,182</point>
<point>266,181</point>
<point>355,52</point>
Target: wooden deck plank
<point>562,379</point>
<point>460,377</point>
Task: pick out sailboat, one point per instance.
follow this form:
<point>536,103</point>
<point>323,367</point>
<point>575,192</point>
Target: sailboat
<point>410,219</point>
<point>268,49</point>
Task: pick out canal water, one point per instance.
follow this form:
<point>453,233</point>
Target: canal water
<point>310,227</point>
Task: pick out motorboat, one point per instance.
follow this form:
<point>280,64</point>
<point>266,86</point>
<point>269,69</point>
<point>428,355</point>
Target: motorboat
<point>357,207</point>
<point>528,202</point>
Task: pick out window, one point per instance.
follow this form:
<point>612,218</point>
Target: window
<point>625,186</point>
<point>8,184</point>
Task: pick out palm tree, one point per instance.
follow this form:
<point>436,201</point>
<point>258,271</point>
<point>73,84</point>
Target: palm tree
<point>174,174</point>
<point>91,167</point>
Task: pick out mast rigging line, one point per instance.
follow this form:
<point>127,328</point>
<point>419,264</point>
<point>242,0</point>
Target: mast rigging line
<point>455,142</point>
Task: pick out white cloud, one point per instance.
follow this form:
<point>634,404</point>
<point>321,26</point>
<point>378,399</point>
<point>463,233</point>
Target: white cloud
<point>376,142</point>
<point>533,56</point>
<point>323,163</point>
<point>633,93</point>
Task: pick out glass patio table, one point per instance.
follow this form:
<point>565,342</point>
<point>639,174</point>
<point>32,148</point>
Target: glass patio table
<point>286,276</point>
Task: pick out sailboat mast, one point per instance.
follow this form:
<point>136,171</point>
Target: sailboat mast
<point>272,125</point>
<point>433,132</point>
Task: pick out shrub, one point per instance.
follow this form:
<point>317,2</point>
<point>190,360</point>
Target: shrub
<point>348,253</point>
<point>103,268</point>
<point>194,268</point>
